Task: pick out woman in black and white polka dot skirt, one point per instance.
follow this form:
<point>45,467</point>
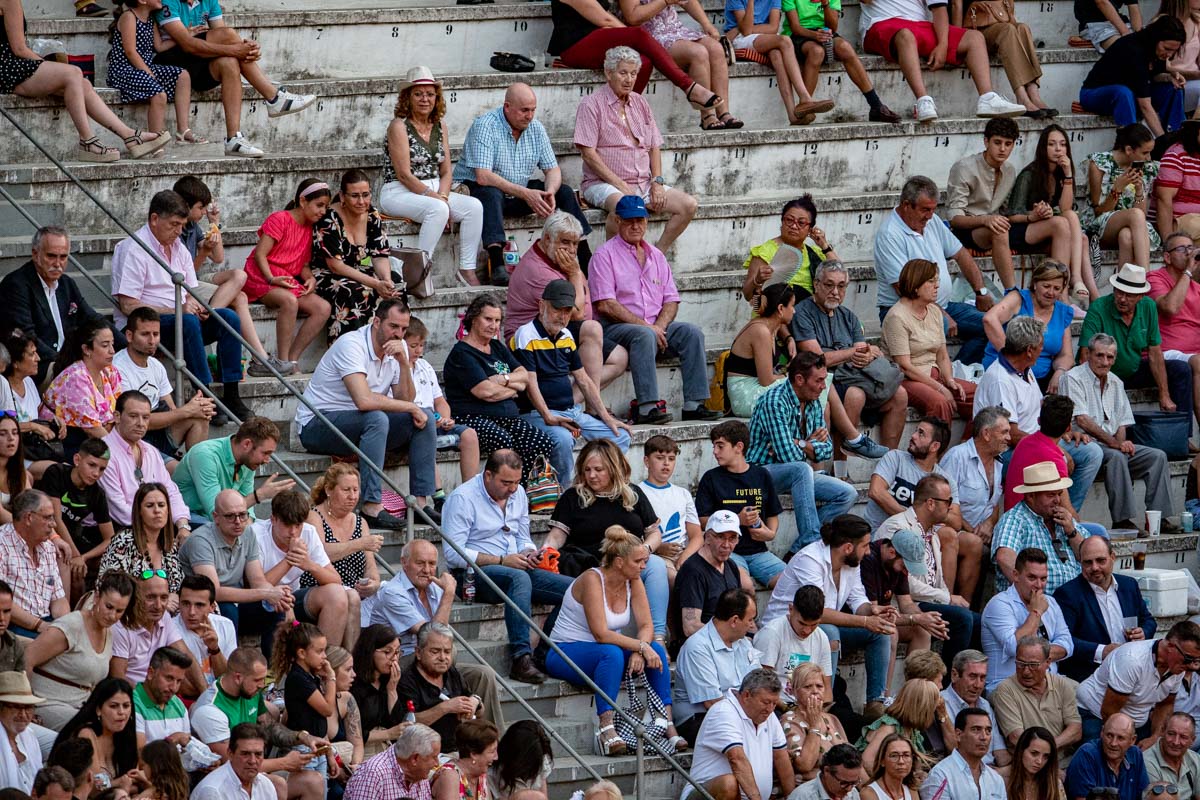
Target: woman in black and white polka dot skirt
<point>482,381</point>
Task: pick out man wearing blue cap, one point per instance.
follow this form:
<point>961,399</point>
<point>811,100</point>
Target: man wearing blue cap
<point>635,299</point>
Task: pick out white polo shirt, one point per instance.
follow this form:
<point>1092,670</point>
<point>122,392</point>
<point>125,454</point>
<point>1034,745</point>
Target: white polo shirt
<point>726,725</point>
<point>223,784</point>
<point>1129,670</point>
<point>350,354</point>
<point>270,554</point>
<point>1017,393</point>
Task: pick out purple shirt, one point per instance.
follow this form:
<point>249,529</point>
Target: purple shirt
<point>136,645</point>
<point>616,274</point>
<point>525,287</point>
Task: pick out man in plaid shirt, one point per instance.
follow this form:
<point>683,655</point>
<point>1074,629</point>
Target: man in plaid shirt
<point>400,771</point>
<point>789,429</point>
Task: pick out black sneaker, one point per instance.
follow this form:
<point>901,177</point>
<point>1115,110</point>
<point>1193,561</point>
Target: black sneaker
<point>433,514</point>
<point>658,415</point>
<point>385,520</point>
<point>702,414</point>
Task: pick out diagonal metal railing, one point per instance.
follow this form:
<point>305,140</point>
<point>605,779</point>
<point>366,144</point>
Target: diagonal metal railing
<point>181,369</point>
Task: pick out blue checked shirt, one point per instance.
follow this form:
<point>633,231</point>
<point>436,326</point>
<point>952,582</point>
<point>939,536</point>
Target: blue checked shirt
<point>1020,527</point>
<point>490,145</point>
<point>778,421</point>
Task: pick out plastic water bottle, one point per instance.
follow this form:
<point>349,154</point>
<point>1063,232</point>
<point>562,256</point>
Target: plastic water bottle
<point>511,254</point>
<point>469,586</point>
<point>411,714</point>
<point>828,46</point>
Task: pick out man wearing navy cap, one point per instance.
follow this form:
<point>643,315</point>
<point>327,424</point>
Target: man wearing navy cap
<point>635,299</point>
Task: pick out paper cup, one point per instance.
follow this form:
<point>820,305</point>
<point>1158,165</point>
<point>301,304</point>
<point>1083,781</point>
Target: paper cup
<point>1153,522</point>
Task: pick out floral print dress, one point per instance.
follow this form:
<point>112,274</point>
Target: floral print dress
<point>123,555</point>
<point>353,302</point>
<point>1109,172</point>
<point>75,400</point>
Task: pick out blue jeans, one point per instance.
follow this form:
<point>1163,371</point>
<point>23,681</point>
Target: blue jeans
<point>497,206</point>
<point>563,457</point>
<point>376,432</point>
<point>964,628</point>
<point>658,593</point>
<point>606,663</point>
<point>1119,103</point>
<point>763,567</point>
<point>875,646</point>
<point>197,334</point>
<point>1088,459</point>
<point>807,488</point>
<point>684,339</point>
<point>525,587</point>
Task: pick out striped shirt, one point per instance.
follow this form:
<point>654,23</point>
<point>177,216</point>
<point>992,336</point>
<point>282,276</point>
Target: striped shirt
<point>552,358</point>
<point>381,778</point>
<point>622,133</point>
<point>155,722</point>
<point>1181,172</point>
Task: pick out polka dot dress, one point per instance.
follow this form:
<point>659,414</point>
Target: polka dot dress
<point>500,433</point>
<point>136,86</point>
<point>350,569</point>
<point>13,70</point>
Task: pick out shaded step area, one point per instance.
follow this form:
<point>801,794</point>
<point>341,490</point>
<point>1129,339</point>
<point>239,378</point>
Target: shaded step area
<point>353,112</point>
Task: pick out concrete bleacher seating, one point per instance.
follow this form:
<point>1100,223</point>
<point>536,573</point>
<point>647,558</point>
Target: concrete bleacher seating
<point>349,52</point>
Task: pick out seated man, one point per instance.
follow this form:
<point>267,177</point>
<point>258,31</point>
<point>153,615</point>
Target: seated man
<point>824,323</point>
<point>230,462</point>
<point>53,783</point>
<point>1023,609</point>
<point>75,756</point>
<point>1171,760</point>
<point>1035,696</point>
<point>1102,609</point>
<point>642,319</point>
<point>1140,679</point>
<point>1112,759</point>
<point>708,573</point>
<point>170,427</point>
<point>29,565</point>
<point>12,648</point>
<point>621,146</point>
<point>138,280</point>
<point>401,770</point>
<point>748,491</point>
<point>1102,23</point>
<point>434,688</point>
<point>832,564</point>
<point>1073,454</point>
<point>976,195</point>
<point>1174,290</point>
<point>195,37</point>
<point>787,642</point>
<point>244,774</point>
<point>488,518</point>
<point>132,462</point>
<point>209,637</point>
<point>133,647</point>
<point>1102,411</point>
<point>158,711</point>
<point>1009,382</point>
<point>895,244</point>
<point>363,385</point>
<point>558,398</point>
<point>1039,521</point>
<point>789,432</point>
<point>81,516</point>
<point>714,660</point>
<point>741,749</point>
<point>968,676</point>
<point>975,468</point>
<point>502,149</point>
<point>963,775</point>
<point>840,767</point>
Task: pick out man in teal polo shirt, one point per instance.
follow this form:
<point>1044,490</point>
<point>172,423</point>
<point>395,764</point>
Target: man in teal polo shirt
<point>230,463</point>
<point>1131,317</point>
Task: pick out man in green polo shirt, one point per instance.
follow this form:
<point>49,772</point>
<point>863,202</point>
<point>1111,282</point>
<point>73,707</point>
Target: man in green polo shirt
<point>158,711</point>
<point>1130,316</point>
<point>230,463</point>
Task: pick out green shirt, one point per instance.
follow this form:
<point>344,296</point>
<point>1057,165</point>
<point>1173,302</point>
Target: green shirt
<point>215,713</point>
<point>1132,340</point>
<point>208,469</point>
<point>156,722</point>
<point>811,14</point>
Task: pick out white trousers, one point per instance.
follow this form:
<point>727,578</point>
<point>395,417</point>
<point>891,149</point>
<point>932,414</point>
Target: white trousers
<point>431,213</point>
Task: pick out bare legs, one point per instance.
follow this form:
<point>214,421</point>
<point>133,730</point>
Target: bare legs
<point>287,307</point>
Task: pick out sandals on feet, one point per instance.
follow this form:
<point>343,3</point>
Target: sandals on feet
<point>189,137</point>
<point>1081,294</point>
<point>712,102</point>
<point>611,745</point>
<point>730,121</point>
<point>92,150</point>
<point>143,143</point>
<point>710,122</point>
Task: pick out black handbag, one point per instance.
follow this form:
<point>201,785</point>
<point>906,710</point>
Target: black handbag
<point>37,448</point>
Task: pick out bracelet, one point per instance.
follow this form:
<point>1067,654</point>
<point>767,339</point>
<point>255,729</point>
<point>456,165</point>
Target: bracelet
<point>215,652</point>
<point>827,250</point>
<point>254,494</point>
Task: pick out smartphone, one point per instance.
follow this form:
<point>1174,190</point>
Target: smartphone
<point>1140,166</point>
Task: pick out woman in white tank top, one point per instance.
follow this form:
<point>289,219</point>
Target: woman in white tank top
<point>596,608</point>
<point>894,777</point>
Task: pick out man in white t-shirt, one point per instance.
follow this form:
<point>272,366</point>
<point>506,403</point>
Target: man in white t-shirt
<point>209,637</point>
<point>364,386</point>
<point>796,638</point>
<point>170,427</point>
<point>288,547</point>
<point>1009,382</point>
<point>674,505</point>
<point>741,746</point>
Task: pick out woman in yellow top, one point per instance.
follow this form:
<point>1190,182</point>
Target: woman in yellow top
<point>793,254</point>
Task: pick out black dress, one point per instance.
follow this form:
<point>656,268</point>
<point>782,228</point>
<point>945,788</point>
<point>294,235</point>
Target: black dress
<point>13,70</point>
<point>353,302</point>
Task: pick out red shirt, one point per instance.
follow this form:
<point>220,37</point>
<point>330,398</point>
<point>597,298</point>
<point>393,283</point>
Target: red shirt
<point>1033,449</point>
<point>1180,331</point>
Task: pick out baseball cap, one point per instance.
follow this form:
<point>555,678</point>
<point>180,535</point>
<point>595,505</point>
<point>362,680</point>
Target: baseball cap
<point>724,521</point>
<point>910,547</point>
<point>631,207</point>
<point>559,293</point>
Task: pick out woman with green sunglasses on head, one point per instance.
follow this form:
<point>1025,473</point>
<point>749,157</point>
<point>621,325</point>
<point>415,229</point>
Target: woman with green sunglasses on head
<point>151,547</point>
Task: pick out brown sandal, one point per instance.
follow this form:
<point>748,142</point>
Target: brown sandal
<point>92,150</point>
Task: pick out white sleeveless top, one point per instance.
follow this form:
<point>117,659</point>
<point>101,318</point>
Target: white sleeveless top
<point>572,625</point>
<point>880,793</point>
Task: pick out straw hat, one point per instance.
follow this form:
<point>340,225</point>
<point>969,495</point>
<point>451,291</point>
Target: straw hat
<point>1042,477</point>
<point>418,76</point>
<point>1131,280</point>
<point>14,688</point>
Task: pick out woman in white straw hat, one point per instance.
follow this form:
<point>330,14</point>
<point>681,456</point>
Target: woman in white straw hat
<point>20,756</point>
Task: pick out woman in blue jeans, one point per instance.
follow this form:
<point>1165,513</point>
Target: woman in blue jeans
<point>600,604</point>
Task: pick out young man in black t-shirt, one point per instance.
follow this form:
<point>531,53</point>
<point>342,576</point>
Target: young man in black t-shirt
<point>80,510</point>
<point>747,490</point>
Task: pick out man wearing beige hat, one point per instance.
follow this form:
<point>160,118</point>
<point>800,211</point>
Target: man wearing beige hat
<point>1040,520</point>
<point>20,756</point>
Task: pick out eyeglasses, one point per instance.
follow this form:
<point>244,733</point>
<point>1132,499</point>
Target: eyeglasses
<point>1183,248</point>
<point>833,287</point>
<point>792,222</point>
<point>1028,664</point>
<point>1186,658</point>
<point>147,574</point>
<point>843,783</point>
<point>1060,549</point>
<point>236,516</point>
<point>947,500</point>
<point>899,756</point>
<point>137,473</point>
<point>11,414</point>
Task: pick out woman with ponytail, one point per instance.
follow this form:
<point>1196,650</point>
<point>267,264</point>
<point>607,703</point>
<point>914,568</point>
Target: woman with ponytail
<point>752,365</point>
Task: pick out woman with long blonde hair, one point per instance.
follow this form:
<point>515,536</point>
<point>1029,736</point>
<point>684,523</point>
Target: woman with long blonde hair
<point>918,705</point>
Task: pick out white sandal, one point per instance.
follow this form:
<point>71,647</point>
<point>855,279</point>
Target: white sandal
<point>610,745</point>
<point>189,137</point>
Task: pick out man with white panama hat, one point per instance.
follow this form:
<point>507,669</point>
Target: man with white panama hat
<point>1040,520</point>
<point>20,755</point>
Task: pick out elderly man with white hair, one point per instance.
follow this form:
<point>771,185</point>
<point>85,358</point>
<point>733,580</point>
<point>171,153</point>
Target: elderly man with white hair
<point>621,146</point>
<point>1102,411</point>
<point>400,771</point>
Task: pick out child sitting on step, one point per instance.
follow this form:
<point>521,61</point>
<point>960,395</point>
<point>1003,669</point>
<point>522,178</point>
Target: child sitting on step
<point>135,40</point>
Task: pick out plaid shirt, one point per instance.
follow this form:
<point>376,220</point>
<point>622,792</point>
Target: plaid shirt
<point>778,421</point>
<point>34,586</point>
<point>1108,406</point>
<point>1020,527</point>
<point>490,145</point>
<point>623,134</point>
<point>380,778</point>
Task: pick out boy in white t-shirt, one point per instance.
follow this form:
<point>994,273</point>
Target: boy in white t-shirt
<point>429,396</point>
<point>676,509</point>
<point>796,638</point>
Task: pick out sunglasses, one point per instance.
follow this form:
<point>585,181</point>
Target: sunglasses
<point>1165,788</point>
<point>147,574</point>
<point>9,414</point>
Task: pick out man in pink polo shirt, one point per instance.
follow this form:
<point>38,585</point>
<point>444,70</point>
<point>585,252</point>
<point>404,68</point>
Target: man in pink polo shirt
<point>132,647</point>
<point>1177,296</point>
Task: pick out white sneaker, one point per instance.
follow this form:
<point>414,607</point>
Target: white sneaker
<point>926,110</point>
<point>993,105</point>
<point>286,102</point>
<point>238,146</point>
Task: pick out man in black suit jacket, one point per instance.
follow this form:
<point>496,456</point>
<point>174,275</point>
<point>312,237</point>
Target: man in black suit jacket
<point>1091,627</point>
<point>25,305</point>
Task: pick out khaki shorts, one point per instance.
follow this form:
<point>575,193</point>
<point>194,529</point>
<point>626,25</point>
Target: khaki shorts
<point>205,291</point>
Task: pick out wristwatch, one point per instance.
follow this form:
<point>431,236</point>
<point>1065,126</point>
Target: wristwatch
<point>660,180</point>
<point>982,291</point>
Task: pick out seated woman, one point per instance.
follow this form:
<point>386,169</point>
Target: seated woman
<point>918,705</point>
<point>703,53</point>
<point>794,253</point>
<point>1047,186</point>
<point>809,729</point>
<point>73,651</point>
<point>350,257</point>
<point>1177,186</point>
<point>151,544</point>
<point>14,478</point>
<point>1012,42</point>
<point>278,274</point>
<point>596,608</point>
<point>1186,63</point>
<point>1124,83</point>
<point>25,74</point>
<point>83,394</point>
<point>1041,300</point>
<point>752,366</point>
<point>417,172</point>
<point>466,776</point>
<point>914,339</point>
<point>376,676</point>
<point>349,543</point>
<point>601,496</point>
<point>482,381</point>
<point>1034,774</point>
<point>525,760</point>
<point>345,724</point>
<point>22,757</point>
<point>20,374</point>
<point>106,720</point>
<point>1118,183</point>
<point>895,773</point>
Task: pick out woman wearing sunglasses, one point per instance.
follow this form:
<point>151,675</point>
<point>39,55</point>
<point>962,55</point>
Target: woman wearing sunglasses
<point>151,545</point>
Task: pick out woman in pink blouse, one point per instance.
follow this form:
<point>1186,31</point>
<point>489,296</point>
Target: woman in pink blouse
<point>278,273</point>
<point>83,394</point>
